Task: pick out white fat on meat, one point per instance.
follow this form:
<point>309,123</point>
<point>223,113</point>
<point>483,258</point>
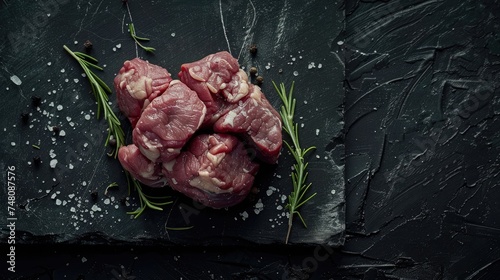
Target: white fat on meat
<point>138,89</point>
<point>229,118</point>
<point>169,165</point>
<point>206,183</point>
<point>150,151</point>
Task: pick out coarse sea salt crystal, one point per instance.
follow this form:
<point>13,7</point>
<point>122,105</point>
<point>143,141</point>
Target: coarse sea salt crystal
<point>15,79</point>
<point>244,215</point>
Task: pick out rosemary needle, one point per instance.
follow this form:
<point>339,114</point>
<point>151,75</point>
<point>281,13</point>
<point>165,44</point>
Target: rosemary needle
<point>297,197</point>
<point>137,39</point>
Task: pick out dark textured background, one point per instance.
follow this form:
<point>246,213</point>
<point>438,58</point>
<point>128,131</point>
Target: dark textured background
<point>421,160</point>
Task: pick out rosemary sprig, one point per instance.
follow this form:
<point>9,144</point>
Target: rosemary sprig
<point>137,39</point>
<point>101,92</point>
<point>145,199</point>
<point>297,197</point>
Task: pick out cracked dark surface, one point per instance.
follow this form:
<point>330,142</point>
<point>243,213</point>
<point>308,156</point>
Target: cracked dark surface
<point>422,156</point>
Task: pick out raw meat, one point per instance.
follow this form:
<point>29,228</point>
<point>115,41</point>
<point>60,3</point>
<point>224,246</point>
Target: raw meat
<point>137,84</point>
<point>168,122</point>
<point>214,170</point>
<point>203,134</point>
<point>144,170</point>
<point>258,121</point>
<point>235,105</point>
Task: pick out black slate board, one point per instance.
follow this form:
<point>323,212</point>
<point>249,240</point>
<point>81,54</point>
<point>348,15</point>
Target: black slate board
<point>56,204</point>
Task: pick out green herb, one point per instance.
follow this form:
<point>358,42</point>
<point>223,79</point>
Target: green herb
<point>298,196</point>
<point>101,91</point>
<point>35,146</point>
<point>179,228</point>
<point>137,39</point>
<point>114,184</point>
<point>146,201</point>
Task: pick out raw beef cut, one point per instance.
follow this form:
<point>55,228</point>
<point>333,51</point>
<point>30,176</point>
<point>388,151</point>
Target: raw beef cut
<point>168,122</point>
<point>214,170</point>
<point>204,134</point>
<point>258,122</point>
<point>234,104</point>
<point>144,170</point>
<point>139,82</point>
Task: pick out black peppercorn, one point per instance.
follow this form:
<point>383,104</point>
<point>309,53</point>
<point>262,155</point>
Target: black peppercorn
<point>25,117</point>
<point>112,142</point>
<point>253,71</point>
<point>37,160</point>
<point>87,45</point>
<point>56,129</point>
<point>253,49</point>
<point>94,195</point>
<point>36,100</point>
<point>259,80</point>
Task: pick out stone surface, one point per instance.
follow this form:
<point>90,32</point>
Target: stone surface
<point>56,203</point>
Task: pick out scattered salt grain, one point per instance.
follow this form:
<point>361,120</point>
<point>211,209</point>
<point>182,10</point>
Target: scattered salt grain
<point>70,166</point>
<point>62,133</point>
<point>118,46</point>
<point>84,259</point>
<point>295,73</point>
<point>76,42</point>
<point>58,202</point>
<point>172,34</point>
<point>340,43</point>
<point>13,144</point>
<point>332,192</point>
<point>49,63</point>
<point>244,215</point>
<point>106,201</point>
<point>53,196</point>
<point>75,80</point>
<point>53,163</point>
<point>62,70</point>
<point>317,132</point>
<point>320,65</point>
<point>59,107</point>
<point>95,208</point>
<point>15,79</point>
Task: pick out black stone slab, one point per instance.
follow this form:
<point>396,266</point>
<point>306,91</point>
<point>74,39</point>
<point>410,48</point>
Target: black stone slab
<point>55,205</point>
